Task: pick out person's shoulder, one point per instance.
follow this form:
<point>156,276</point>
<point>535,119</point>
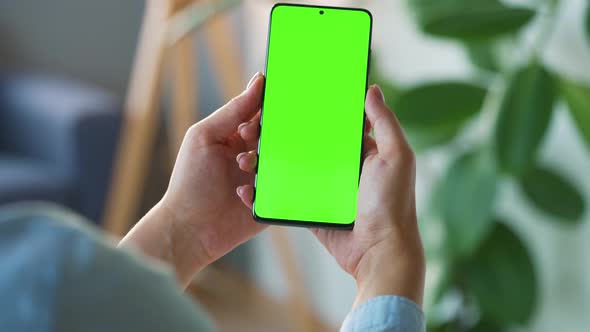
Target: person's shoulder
<point>40,230</point>
<point>71,277</point>
<point>34,239</point>
<point>38,219</point>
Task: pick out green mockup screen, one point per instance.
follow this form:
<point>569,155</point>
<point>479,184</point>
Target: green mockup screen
<point>312,117</point>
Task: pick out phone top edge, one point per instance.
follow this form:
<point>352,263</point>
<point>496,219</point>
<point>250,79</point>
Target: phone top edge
<point>286,4</point>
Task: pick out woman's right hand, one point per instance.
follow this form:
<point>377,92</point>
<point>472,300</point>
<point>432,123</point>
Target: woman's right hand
<point>383,252</point>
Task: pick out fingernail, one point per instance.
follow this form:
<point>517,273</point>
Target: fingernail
<point>240,156</point>
<point>378,92</point>
<point>242,126</point>
<point>240,190</point>
<point>255,159</point>
<point>253,79</point>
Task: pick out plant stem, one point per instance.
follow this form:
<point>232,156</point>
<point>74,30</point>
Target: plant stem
<point>547,27</point>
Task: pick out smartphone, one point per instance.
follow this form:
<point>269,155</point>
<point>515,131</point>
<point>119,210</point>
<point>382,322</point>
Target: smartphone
<point>312,117</point>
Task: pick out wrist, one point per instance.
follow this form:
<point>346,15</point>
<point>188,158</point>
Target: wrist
<point>387,270</point>
<point>163,236</point>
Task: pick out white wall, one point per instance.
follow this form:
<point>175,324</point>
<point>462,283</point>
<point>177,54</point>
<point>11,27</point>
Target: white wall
<point>407,56</point>
<point>89,40</point>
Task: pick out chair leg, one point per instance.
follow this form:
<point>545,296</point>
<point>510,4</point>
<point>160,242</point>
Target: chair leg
<point>140,122</point>
<point>222,44</point>
<point>185,91</point>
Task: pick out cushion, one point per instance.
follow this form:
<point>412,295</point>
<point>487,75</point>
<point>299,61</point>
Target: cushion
<point>24,179</point>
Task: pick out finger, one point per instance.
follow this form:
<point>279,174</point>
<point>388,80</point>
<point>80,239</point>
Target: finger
<point>389,135</point>
<point>250,131</point>
<point>242,108</point>
<point>367,126</point>
<point>369,146</point>
<point>247,161</point>
<point>246,194</point>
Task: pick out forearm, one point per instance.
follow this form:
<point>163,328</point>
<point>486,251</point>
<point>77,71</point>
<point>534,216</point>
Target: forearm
<point>161,236</point>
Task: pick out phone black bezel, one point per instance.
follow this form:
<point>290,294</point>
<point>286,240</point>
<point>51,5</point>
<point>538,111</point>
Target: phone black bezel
<point>303,223</point>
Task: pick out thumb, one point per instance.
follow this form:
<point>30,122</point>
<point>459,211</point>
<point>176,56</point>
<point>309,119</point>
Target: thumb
<point>225,121</point>
<point>389,135</point>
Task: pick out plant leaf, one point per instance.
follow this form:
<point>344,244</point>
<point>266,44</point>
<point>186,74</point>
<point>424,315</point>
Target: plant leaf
<point>502,278</point>
<point>553,194</point>
<point>482,326</point>
<point>435,104</point>
<point>468,196</point>
<point>469,19</point>
<point>390,90</point>
<point>486,326</point>
<point>446,327</point>
<point>482,55</point>
<point>433,114</point>
<point>577,97</point>
<point>422,139</point>
<point>524,116</point>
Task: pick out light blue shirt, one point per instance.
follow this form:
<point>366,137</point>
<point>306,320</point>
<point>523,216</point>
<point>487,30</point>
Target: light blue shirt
<point>60,274</point>
<point>385,314</point>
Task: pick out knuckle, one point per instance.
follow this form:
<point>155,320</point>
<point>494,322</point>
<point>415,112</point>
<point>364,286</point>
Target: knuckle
<point>234,103</point>
<point>193,132</point>
<point>404,156</point>
<point>196,133</point>
<point>409,155</point>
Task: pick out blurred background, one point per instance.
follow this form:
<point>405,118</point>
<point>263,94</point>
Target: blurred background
<point>494,96</point>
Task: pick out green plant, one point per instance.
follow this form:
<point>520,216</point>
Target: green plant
<point>488,270</point>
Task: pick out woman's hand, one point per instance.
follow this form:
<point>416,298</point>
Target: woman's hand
<point>384,252</point>
<point>200,218</point>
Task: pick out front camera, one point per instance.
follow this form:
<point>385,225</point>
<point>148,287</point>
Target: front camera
<point>321,12</point>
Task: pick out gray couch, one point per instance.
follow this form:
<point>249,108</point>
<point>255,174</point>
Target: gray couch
<point>57,141</point>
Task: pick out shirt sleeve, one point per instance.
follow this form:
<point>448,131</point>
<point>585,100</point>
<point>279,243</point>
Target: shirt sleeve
<point>65,276</point>
<point>385,314</point>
